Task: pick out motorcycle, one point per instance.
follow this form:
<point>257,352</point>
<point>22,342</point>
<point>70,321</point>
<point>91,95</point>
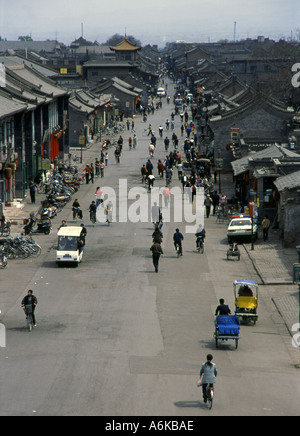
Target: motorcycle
<point>5,229</point>
<point>48,211</point>
<point>43,226</point>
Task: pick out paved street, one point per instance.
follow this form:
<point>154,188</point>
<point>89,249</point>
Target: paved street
<point>116,339</point>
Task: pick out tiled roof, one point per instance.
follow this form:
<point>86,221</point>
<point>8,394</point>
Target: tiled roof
<point>36,79</point>
<point>10,106</point>
<point>125,45</point>
<point>240,166</point>
<point>289,182</point>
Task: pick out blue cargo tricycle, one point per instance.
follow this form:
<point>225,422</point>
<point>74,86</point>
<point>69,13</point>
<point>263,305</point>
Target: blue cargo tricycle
<point>227,327</point>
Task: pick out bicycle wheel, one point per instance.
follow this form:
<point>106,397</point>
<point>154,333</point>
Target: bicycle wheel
<point>210,396</point>
<point>210,400</point>
<point>29,322</point>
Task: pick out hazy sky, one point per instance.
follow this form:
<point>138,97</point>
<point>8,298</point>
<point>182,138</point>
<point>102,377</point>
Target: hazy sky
<point>152,21</point>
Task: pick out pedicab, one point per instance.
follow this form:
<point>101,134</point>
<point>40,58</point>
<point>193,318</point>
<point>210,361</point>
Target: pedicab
<point>227,327</point>
<point>233,251</point>
<point>246,300</point>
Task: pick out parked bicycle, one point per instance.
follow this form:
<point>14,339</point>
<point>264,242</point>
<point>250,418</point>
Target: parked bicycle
<point>19,247</point>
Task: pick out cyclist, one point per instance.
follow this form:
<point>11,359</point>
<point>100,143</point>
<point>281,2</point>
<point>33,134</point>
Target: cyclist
<point>208,373</point>
<point>169,175</point>
<point>117,155</point>
<point>222,309</point>
<point>93,210</point>
<point>76,210</point>
<point>178,238</point>
<point>109,212</point>
<point>200,234</point>
<point>30,300</point>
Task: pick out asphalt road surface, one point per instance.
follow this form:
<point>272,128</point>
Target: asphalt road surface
<point>116,339</point>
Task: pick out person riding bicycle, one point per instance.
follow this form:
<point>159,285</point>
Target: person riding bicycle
<point>93,211</point>
<point>178,238</point>
<point>208,373</point>
<point>76,210</point>
<point>222,309</point>
<point>117,154</point>
<point>200,234</point>
<point>109,212</point>
<point>169,175</point>
<point>30,300</point>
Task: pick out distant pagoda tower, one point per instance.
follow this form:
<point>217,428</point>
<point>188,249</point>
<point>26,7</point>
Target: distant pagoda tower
<point>126,50</point>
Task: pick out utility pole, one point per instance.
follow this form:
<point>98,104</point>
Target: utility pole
<point>234,33</point>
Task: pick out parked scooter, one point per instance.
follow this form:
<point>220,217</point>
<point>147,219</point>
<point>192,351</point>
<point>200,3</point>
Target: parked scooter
<point>47,210</point>
<point>43,226</point>
<point>5,229</point>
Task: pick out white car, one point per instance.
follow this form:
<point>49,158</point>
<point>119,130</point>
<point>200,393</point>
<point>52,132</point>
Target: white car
<point>241,227</point>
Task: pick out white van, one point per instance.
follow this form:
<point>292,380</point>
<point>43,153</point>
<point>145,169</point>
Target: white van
<point>68,247</point>
<point>161,92</point>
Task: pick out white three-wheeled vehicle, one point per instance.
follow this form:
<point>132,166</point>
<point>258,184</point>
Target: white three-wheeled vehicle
<point>69,247</point>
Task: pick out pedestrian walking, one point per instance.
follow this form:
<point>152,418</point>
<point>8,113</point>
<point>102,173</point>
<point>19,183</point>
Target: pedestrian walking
<point>102,167</point>
<point>97,167</point>
<point>134,141</point>
<point>265,226</point>
<point>223,203</point>
<point>156,253</point>
<point>32,189</point>
<point>216,200</point>
<point>194,192</point>
<point>87,172</point>
<point>207,204</point>
<point>166,195</point>
<point>106,159</point>
<point>92,173</point>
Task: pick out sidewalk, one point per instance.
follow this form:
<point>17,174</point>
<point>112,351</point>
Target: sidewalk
<point>274,265</point>
<point>17,214</point>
